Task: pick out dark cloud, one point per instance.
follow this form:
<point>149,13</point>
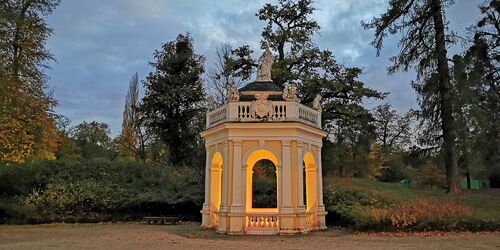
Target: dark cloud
<point>100,44</point>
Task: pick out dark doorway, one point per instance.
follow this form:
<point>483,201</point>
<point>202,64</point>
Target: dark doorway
<point>264,185</point>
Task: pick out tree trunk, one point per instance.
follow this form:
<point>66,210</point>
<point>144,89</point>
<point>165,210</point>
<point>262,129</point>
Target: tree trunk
<point>447,120</point>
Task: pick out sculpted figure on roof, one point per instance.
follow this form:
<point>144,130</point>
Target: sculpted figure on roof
<point>265,65</point>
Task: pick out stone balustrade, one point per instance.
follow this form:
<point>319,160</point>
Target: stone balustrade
<point>279,111</point>
<point>262,223</point>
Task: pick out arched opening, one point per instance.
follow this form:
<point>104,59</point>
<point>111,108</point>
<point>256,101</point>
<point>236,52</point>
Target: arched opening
<point>310,182</point>
<point>215,186</point>
<point>262,158</point>
<point>264,185</point>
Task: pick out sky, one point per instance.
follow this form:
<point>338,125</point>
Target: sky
<point>98,45</point>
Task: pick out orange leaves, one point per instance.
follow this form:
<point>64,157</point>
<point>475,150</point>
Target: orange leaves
<point>27,129</point>
<point>404,216</point>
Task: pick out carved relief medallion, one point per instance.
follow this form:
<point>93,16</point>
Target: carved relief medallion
<point>261,107</point>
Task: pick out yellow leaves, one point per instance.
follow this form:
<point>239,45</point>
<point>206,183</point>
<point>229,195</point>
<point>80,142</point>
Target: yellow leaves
<point>27,130</point>
<point>375,161</point>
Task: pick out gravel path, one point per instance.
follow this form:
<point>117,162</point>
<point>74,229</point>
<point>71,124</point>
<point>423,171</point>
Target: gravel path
<point>138,236</point>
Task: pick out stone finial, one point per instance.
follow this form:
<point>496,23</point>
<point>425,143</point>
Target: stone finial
<point>232,93</point>
<point>265,65</point>
<point>290,92</point>
<point>210,103</point>
<point>317,102</point>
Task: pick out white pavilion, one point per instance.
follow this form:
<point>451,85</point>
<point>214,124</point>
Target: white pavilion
<point>263,121</point>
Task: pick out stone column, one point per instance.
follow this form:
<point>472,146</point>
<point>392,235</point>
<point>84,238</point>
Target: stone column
<point>301,208</point>
<point>300,178</point>
<point>237,216</point>
<point>287,217</point>
<point>225,170</point>
<point>205,221</point>
<point>286,178</point>
<point>223,218</point>
<point>321,207</point>
<point>320,180</point>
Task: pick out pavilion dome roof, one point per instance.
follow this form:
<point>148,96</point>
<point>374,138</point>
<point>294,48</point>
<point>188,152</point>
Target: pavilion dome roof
<point>259,86</point>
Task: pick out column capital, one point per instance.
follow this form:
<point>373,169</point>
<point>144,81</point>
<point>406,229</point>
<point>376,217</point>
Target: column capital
<point>237,142</point>
<point>285,143</point>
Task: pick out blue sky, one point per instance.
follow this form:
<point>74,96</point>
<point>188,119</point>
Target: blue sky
<point>99,45</point>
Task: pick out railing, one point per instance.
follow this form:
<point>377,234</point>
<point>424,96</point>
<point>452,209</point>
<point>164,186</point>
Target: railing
<point>244,111</point>
<point>309,115</point>
<point>217,116</point>
<point>262,224</point>
<point>278,111</point>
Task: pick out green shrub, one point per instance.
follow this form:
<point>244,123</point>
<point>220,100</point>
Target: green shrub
<point>355,208</point>
<point>97,190</point>
<point>69,199</point>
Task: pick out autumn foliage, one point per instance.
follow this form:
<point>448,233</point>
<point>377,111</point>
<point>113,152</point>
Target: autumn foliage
<point>372,211</point>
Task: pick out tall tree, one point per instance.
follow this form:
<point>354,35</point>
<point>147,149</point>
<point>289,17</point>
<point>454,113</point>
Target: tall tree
<point>423,45</point>
<point>128,142</point>
<point>27,122</point>
<point>393,130</point>
<point>289,33</point>
<point>476,77</point>
<point>173,101</point>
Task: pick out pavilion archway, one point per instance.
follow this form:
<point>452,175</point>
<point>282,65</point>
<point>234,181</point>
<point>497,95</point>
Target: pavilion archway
<point>311,175</point>
<point>251,160</point>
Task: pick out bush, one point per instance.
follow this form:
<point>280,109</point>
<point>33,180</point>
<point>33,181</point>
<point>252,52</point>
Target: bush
<point>97,190</point>
<point>364,210</point>
<point>352,207</point>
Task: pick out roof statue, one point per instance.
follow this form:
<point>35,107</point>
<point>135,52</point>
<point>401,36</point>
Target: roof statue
<point>265,65</point>
<point>210,103</point>
<point>317,102</point>
<point>290,92</point>
<point>232,93</point>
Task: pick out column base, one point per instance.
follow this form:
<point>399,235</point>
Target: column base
<point>321,218</point>
<point>205,217</point>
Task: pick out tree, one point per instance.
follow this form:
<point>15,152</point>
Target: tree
<point>68,148</point>
<point>27,122</point>
<point>289,32</point>
<point>393,130</point>
<point>230,67</point>
<point>94,140</point>
<point>484,67</point>
<point>430,175</point>
<point>173,102</point>
<point>423,45</point>
<point>128,142</point>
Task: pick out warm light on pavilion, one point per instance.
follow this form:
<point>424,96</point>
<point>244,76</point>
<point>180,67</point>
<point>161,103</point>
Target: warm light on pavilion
<point>263,121</point>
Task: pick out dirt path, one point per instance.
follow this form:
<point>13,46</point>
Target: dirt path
<point>137,236</point>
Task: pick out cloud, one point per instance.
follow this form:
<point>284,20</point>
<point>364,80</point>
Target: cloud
<point>99,45</point>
